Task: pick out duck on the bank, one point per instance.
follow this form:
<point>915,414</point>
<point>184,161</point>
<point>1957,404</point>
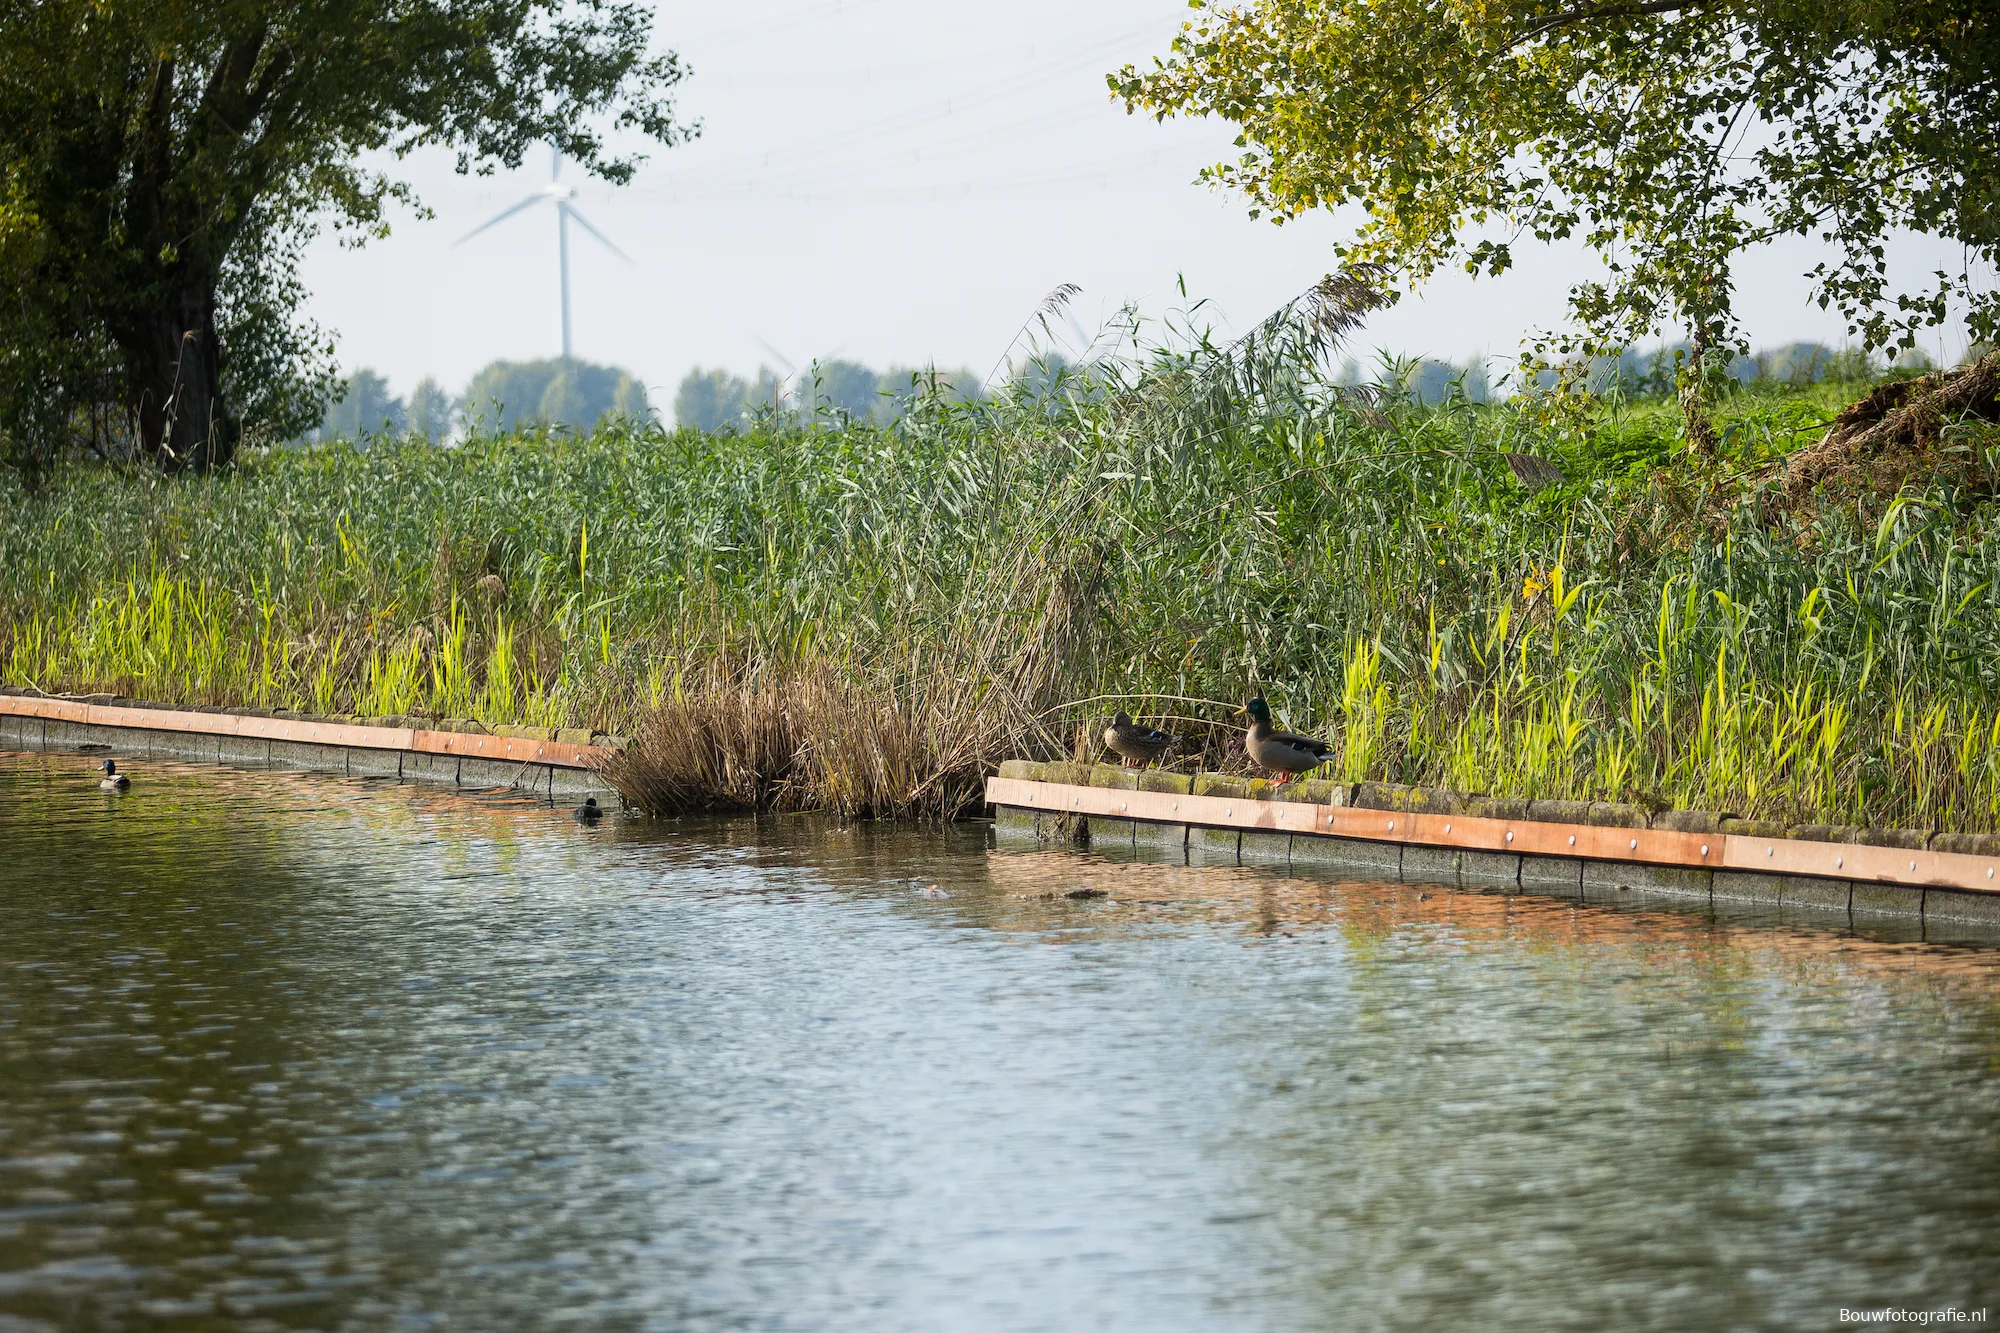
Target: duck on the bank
<point>113,779</point>
<point>1284,751</point>
<point>1133,743</point>
<point>590,811</point>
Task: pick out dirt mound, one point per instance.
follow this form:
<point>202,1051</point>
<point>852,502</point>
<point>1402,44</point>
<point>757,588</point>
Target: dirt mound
<point>1893,436</point>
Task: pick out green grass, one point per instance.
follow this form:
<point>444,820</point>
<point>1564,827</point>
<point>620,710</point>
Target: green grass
<point>1011,572</point>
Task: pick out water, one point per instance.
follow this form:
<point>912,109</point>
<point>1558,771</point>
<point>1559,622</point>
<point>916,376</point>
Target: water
<point>280,1051</point>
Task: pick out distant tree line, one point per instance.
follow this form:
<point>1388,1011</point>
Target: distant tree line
<point>506,395</point>
<point>718,399</point>
<point>1641,373</point>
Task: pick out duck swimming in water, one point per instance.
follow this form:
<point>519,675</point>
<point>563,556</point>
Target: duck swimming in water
<point>113,779</point>
<point>590,811</point>
<point>1284,751</point>
<point>1133,743</point>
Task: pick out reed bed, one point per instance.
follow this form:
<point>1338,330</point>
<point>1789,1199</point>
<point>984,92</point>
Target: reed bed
<point>815,613</point>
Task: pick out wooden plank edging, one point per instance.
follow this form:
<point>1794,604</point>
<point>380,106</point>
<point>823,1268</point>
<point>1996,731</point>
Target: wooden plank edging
<point>512,749</point>
<point>1659,847</point>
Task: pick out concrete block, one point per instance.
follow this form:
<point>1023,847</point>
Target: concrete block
<point>1215,784</point>
<point>1560,812</point>
<point>490,773</point>
<point>1942,905</point>
<point>1690,821</point>
<point>573,784</point>
<point>1886,900</point>
<point>182,745</point>
<point>1499,868</point>
<point>1158,779</point>
<point>375,763</point>
<point>58,734</point>
<point>437,769</point>
<point>1214,844</point>
<point>1416,800</point>
<point>1825,832</point>
<point>1113,777</point>
<point>1264,848</point>
<point>1968,844</point>
<point>1027,770</point>
<point>318,758</point>
<point>1106,831</point>
<point>1430,865</point>
<point>1608,814</point>
<point>1561,875</point>
<point>573,736</point>
<point>1372,860</point>
<point>1747,886</point>
<point>1071,775</point>
<point>1166,837</point>
<point>1811,894</point>
<point>1600,877</point>
<point>1914,840</point>
<point>244,751</point>
<point>1754,828</point>
<point>525,733</point>
<point>1014,826</point>
<point>1497,807</point>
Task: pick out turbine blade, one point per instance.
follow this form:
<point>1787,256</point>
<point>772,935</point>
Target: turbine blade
<point>789,367</point>
<point>498,218</point>
<point>602,239</point>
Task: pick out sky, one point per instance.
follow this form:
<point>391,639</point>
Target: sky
<point>895,182</point>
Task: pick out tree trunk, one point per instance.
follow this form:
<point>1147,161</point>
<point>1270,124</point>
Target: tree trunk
<point>1694,397</point>
<point>177,383</point>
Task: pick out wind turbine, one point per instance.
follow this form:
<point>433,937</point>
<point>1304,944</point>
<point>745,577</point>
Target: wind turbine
<point>560,195</point>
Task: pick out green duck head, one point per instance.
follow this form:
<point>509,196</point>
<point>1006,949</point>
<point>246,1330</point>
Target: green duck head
<point>1258,710</point>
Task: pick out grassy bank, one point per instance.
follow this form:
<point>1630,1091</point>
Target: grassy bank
<point>819,614</point>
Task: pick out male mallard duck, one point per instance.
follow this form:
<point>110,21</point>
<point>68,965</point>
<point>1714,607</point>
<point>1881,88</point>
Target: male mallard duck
<point>113,779</point>
<point>1282,750</point>
<point>590,811</point>
<point>1130,741</point>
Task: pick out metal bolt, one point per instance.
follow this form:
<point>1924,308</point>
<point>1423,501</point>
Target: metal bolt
<point>1123,806</point>
<point>1704,849</point>
<point>1840,861</point>
<point>1635,845</point>
<point>1392,826</point>
<point>1770,851</point>
<point>1913,865</point>
<point>1447,828</point>
<point>1510,835</point>
<point>1572,839</point>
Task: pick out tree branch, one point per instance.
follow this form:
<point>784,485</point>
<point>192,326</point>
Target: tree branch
<point>1573,16</point>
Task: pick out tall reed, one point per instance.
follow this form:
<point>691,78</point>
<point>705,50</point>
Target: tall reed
<point>818,612</point>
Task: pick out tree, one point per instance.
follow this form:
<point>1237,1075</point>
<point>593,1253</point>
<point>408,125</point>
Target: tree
<point>1670,137</point>
<point>364,406</point>
<point>507,395</point>
<point>710,399</point>
<point>163,161</point>
<point>430,409</point>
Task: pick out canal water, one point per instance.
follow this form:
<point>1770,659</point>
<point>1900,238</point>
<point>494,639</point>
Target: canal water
<point>281,1051</point>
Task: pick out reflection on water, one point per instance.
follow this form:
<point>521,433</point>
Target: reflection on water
<point>280,1051</point>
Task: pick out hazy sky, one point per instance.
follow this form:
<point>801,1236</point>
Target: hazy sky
<point>893,181</point>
